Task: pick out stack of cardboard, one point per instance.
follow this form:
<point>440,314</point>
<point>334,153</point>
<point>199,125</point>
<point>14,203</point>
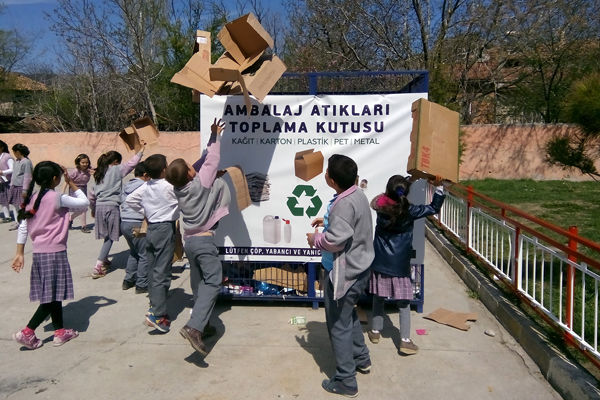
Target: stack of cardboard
<point>434,141</point>
<point>243,68</point>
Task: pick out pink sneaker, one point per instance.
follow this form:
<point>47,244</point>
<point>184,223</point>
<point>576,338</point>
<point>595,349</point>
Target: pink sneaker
<point>29,341</point>
<point>98,272</point>
<point>62,336</point>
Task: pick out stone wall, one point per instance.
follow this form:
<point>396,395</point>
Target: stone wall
<point>491,151</point>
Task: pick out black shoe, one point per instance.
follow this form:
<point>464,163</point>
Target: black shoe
<point>364,368</point>
<point>337,387</point>
<point>140,290</point>
<point>127,285</point>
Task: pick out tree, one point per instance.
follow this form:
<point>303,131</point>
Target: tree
<point>580,149</point>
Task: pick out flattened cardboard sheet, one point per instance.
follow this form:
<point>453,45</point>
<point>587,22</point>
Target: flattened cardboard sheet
<point>240,184</point>
<point>451,318</point>
<point>285,277</point>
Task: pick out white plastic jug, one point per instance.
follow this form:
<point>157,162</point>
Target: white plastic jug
<point>271,229</point>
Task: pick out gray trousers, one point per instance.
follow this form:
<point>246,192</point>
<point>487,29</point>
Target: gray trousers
<point>378,312</point>
<point>206,275</point>
<point>345,332</point>
<point>136,269</point>
<point>160,246</point>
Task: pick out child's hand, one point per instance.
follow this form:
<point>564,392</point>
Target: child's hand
<point>310,238</point>
<point>18,262</point>
<point>66,175</point>
<point>317,223</point>
<point>217,127</point>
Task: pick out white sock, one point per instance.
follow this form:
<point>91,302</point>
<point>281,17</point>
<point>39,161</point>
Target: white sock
<point>406,339</point>
<point>14,210</point>
<point>374,331</point>
<point>5,212</point>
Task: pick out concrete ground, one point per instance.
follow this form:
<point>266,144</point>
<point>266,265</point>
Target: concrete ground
<point>257,354</point>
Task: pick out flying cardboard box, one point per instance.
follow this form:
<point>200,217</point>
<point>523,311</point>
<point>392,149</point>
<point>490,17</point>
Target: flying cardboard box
<point>308,164</point>
<point>258,79</point>
<point>195,75</point>
<point>434,141</point>
<point>245,39</point>
<point>202,45</point>
<point>142,130</point>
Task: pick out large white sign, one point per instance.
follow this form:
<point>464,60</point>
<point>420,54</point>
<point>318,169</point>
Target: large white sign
<point>283,145</point>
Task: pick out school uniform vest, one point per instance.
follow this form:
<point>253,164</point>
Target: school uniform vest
<point>49,227</point>
<point>4,157</point>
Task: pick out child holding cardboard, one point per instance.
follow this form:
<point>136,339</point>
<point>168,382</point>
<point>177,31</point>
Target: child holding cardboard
<point>347,247</point>
<point>390,275</point>
<point>203,199</point>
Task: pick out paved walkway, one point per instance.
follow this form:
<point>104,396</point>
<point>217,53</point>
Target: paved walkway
<point>257,354</point>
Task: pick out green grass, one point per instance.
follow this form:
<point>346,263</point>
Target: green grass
<point>562,203</point>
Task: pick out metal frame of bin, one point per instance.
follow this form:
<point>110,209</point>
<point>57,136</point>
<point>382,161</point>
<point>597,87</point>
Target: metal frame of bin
<point>241,286</point>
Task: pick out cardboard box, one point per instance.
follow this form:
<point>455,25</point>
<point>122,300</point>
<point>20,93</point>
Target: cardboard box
<point>434,141</point>
<point>202,45</point>
<point>142,129</point>
<point>284,276</point>
<point>245,39</point>
<point>259,79</point>
<point>308,164</point>
<point>238,179</point>
<point>195,75</point>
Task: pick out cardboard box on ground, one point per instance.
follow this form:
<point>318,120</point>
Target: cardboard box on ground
<point>434,141</point>
<point>243,68</point>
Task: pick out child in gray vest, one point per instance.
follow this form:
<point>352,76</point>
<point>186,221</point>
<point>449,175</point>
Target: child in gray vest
<point>203,199</point>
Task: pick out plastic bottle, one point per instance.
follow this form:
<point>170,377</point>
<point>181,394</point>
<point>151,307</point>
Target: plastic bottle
<point>271,229</point>
<point>287,231</point>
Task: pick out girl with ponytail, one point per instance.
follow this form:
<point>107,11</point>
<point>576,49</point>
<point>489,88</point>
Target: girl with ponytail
<point>44,216</point>
<point>105,199</point>
<point>391,269</point>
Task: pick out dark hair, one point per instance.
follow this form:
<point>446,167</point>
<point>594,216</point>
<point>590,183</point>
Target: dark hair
<point>342,170</point>
<point>177,173</point>
<point>104,161</point>
<point>397,189</point>
<point>81,157</point>
<point>140,169</point>
<point>21,148</point>
<point>155,165</point>
<point>43,174</point>
<point>3,147</point>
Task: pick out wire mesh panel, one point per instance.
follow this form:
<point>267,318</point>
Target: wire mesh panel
<point>291,281</point>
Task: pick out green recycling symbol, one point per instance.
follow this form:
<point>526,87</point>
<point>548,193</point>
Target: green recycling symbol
<point>294,207</point>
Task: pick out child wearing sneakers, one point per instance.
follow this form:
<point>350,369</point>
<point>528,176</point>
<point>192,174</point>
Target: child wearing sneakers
<point>21,178</point>
<point>136,270</point>
<point>157,201</point>
<point>390,270</point>
<point>80,175</point>
<point>105,200</point>
<point>203,200</point>
<point>45,217</point>
<point>346,244</point>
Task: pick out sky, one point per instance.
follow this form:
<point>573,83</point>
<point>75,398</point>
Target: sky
<point>27,17</point>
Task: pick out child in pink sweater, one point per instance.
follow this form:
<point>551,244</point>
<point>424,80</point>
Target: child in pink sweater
<point>45,217</point>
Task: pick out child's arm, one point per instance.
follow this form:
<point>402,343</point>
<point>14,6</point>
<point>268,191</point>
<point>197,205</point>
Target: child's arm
<point>334,239</point>
<point>19,259</point>
<point>130,165</point>
<point>77,202</point>
<point>27,170</point>
<point>134,200</point>
<point>92,200</point>
<point>425,210</point>
<point>207,165</point>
